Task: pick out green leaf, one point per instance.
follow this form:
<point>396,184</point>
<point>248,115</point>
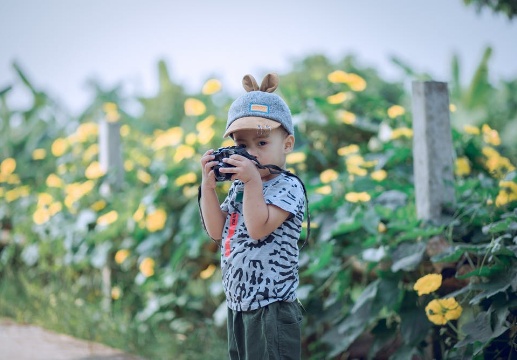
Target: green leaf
<point>485,326</point>
<point>498,226</point>
<point>323,258</point>
<point>367,295</point>
<point>484,271</point>
<point>407,256</point>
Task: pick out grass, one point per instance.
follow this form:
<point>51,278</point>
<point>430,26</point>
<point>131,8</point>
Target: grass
<point>52,305</point>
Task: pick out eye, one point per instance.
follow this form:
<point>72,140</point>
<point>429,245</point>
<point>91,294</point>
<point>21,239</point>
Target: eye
<point>262,143</point>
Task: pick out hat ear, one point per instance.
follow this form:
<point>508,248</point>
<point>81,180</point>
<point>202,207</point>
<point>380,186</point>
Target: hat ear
<point>270,83</point>
<point>249,83</point>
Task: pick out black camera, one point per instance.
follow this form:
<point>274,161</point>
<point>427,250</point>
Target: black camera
<point>226,152</point>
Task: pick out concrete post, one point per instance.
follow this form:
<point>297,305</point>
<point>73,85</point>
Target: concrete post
<point>433,152</point>
<point>110,152</point>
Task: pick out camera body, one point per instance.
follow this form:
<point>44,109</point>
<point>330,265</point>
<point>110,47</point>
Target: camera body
<point>226,152</point>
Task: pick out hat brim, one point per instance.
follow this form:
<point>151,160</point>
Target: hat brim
<point>252,123</point>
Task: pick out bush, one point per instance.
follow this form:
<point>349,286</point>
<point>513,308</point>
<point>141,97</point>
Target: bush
<point>137,250</point>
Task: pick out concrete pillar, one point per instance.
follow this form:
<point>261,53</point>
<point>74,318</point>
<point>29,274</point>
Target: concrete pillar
<point>110,152</point>
<point>433,151</point>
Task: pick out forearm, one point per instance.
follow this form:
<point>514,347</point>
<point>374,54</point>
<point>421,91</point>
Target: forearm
<point>213,216</point>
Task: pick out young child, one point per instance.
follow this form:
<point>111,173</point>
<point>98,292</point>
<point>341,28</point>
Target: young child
<point>259,225</point>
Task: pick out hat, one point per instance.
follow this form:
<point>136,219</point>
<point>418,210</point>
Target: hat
<point>259,108</point>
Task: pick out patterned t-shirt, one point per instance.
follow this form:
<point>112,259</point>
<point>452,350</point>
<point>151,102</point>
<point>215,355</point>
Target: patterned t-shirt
<point>259,272</point>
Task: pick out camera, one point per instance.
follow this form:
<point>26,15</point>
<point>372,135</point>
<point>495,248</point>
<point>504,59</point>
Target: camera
<point>226,152</point>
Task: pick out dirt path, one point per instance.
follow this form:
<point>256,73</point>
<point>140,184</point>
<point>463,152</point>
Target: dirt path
<point>27,342</point>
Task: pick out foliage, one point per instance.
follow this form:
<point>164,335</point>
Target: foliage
<point>138,251</point>
<point>509,7</point>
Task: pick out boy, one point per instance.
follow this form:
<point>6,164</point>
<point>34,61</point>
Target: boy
<point>259,224</point>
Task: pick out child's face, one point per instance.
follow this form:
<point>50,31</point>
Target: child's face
<point>270,147</point>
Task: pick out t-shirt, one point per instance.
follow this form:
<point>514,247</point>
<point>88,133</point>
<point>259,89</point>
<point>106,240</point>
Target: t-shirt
<point>259,272</point>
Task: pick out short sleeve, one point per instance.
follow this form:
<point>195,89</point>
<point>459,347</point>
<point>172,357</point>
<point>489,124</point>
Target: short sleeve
<point>286,193</point>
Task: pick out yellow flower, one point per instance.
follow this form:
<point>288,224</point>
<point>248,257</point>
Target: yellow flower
<point>111,111</point>
<point>98,205</point>
<point>462,167</point>
<point>156,220</point>
<point>396,111</point>
<point>328,176</point>
<point>194,107</point>
<point>324,190</point>
<point>144,176</point>
<point>16,193</point>
<point>44,199</point>
<point>39,154</point>
<point>472,130</point>
<point>205,130</point>
<point>208,272</point>
<point>59,147</point>
<point>188,178</point>
<point>338,76</point>
<point>346,117</point>
<point>211,87</point>
<point>125,130</point>
<point>139,213</point>
<point>381,227</point>
<point>427,284</point>
<point>129,165</point>
<point>147,267</point>
<point>86,130</point>
<point>7,166</point>
<point>379,175</point>
<point>296,157</point>
<point>452,108</point>
<point>356,82</point>
<point>184,152</point>
<point>108,218</point>
<point>490,136</point>
<point>41,216</point>
<point>337,98</point>
<point>357,197</point>
<point>115,292</point>
<point>403,131</point>
<point>121,255</point>
<point>171,137</point>
<point>91,152</point>
<point>54,181</point>
<point>347,150</point>
<point>94,171</point>
<point>54,208</point>
<point>440,311</point>
<point>507,193</point>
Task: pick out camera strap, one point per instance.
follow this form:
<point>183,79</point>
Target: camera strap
<point>273,169</point>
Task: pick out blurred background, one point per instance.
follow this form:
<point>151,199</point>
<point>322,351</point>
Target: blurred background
<point>106,108</point>
<point>63,44</point>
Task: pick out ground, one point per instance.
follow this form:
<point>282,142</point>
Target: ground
<point>28,342</point>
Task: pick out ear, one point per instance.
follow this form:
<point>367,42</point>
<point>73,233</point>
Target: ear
<point>288,144</point>
<point>249,83</point>
<point>270,83</point>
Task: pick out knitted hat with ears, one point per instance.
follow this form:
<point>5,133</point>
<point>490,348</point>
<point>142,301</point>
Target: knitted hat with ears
<point>259,108</point>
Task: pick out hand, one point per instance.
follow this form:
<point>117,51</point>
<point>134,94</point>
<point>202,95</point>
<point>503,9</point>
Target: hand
<point>208,176</point>
<point>244,169</point>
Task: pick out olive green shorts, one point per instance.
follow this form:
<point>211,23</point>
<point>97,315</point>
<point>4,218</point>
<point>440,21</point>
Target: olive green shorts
<point>272,332</point>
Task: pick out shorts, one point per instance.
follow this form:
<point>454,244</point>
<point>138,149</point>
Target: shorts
<point>273,332</point>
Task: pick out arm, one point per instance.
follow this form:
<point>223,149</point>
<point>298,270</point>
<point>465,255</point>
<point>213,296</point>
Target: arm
<point>260,218</point>
<point>213,217</point>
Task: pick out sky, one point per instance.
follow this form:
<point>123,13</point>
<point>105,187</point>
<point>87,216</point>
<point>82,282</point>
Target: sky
<point>61,44</point>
